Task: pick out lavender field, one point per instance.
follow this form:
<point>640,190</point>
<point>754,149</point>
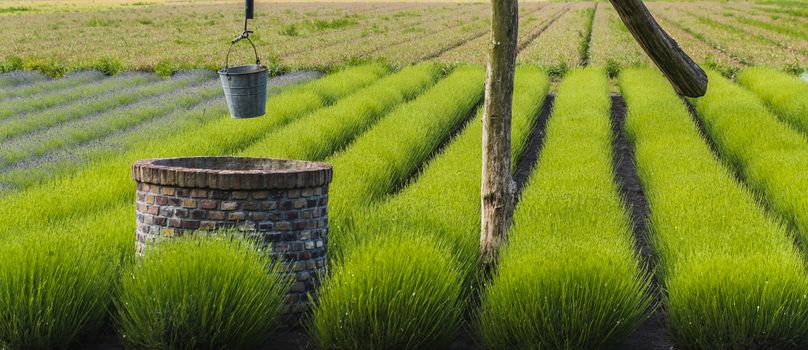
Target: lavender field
<point>51,128</point>
<point>643,219</point>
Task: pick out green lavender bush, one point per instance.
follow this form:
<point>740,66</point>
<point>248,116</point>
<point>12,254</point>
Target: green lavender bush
<point>200,292</point>
<point>55,288</point>
<point>414,304</point>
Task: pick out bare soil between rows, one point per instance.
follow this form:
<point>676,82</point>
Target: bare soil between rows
<point>651,333</point>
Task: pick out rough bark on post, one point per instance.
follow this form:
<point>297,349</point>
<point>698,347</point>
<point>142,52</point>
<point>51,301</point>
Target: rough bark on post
<point>497,188</point>
<point>685,75</point>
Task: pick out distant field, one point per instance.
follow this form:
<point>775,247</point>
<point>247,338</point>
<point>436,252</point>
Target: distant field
<point>166,36</point>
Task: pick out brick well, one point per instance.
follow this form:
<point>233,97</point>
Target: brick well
<point>283,203</point>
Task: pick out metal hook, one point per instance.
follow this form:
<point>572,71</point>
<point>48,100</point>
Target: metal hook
<point>244,35</point>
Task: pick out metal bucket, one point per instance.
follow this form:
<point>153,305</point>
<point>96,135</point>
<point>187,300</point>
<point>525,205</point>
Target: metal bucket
<point>245,89</point>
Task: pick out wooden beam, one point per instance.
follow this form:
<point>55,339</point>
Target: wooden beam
<point>686,76</point>
<point>497,187</point>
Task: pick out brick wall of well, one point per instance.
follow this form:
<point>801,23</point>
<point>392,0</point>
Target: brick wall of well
<point>277,205</point>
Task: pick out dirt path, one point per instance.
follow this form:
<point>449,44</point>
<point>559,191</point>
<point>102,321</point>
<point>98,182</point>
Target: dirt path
<point>652,333</point>
<point>535,141</point>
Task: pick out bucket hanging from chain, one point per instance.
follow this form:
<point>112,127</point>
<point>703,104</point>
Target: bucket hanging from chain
<point>245,86</point>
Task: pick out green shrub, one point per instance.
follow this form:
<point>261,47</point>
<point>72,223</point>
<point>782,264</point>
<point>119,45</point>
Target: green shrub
<point>557,71</point>
<point>580,294</point>
<point>329,130</point>
<point>167,68</point>
<point>388,154</point>
<point>569,277</point>
<point>289,30</point>
<point>770,154</point>
<point>454,177</point>
<point>55,289</point>
<point>200,292</point>
<point>14,9</point>
<point>49,67</point>
<point>108,65</point>
<point>11,63</point>
<point>586,38</point>
<point>335,23</point>
<point>785,94</point>
<point>395,293</point>
<point>732,275</point>
<point>414,215</point>
<point>612,69</point>
<point>733,302</point>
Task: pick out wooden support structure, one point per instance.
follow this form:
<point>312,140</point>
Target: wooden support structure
<point>685,75</point>
<point>498,188</point>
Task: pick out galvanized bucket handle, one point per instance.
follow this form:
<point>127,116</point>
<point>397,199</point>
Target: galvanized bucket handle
<point>245,35</point>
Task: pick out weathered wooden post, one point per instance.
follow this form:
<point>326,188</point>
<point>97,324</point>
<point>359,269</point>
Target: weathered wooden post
<point>497,187</point>
<point>685,75</point>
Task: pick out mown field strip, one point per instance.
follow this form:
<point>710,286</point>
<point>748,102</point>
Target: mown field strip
<point>180,95</point>
<point>569,277</point>
<point>386,156</point>
<point>14,79</point>
<point>770,155</point>
<point>66,161</point>
<point>753,51</point>
<point>796,47</point>
<point>372,33</point>
<point>775,28</point>
<point>368,47</point>
<point>22,108</point>
<point>109,182</point>
<point>586,38</point>
<point>538,30</point>
<point>795,16</point>
<point>423,29</point>
<point>785,29</point>
<point>611,42</point>
<point>739,58</point>
<point>700,49</point>
<point>118,98</point>
<point>559,44</point>
<point>425,285</point>
<point>417,48</point>
<point>476,50</point>
<point>732,275</point>
<point>31,91</point>
<point>405,45</point>
<point>784,94</point>
<point>329,130</point>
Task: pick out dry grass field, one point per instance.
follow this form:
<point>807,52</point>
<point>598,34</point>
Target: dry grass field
<point>167,36</point>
